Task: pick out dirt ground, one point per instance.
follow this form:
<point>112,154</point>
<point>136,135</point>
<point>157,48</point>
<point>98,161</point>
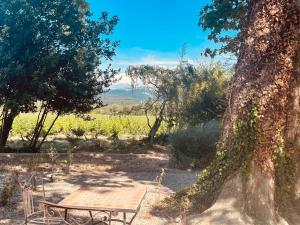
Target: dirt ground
<point>108,170</point>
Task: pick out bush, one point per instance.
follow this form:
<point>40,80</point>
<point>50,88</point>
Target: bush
<point>53,155</point>
<point>194,147</point>
<point>78,131</point>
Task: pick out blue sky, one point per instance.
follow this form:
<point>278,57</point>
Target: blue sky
<point>153,31</point>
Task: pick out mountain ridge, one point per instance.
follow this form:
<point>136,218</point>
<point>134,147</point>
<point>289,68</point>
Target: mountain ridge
<point>126,95</point>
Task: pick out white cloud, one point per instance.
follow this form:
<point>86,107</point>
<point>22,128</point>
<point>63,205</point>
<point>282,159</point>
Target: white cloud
<point>123,82</point>
<point>149,60</point>
<point>138,56</point>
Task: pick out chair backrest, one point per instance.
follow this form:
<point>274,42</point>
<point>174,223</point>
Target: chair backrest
<point>27,189</point>
<point>27,198</point>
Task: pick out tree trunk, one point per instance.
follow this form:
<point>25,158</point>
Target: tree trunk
<point>47,132</point>
<point>38,129</point>
<point>267,77</point>
<point>35,145</point>
<point>7,122</point>
<point>154,129</point>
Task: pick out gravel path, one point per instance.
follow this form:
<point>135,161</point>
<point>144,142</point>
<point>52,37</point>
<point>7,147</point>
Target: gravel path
<point>174,180</point>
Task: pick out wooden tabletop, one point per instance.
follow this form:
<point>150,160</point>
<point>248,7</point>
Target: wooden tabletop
<point>105,198</point>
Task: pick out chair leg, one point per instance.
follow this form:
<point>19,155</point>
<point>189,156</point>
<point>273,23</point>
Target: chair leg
<point>124,218</point>
<point>91,215</point>
<point>66,214</point>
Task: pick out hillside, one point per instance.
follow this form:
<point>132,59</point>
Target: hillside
<point>127,95</point>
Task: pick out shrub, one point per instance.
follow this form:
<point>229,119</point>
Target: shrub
<point>53,157</point>
<point>194,147</point>
<point>78,131</point>
<point>115,131</point>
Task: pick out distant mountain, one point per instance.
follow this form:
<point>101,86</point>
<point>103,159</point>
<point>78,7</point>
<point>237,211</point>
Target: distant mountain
<point>126,95</point>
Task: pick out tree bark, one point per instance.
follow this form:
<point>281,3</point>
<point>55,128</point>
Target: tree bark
<point>48,131</point>
<point>267,75</point>
<point>7,122</point>
<point>38,129</point>
<point>154,129</point>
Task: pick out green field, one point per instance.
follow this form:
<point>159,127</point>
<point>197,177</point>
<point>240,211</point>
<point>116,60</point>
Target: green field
<point>98,125</point>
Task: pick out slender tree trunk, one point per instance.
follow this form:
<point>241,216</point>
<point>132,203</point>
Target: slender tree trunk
<point>48,131</point>
<point>7,122</point>
<point>154,129</point>
<point>267,75</point>
<point>35,144</point>
<point>38,128</point>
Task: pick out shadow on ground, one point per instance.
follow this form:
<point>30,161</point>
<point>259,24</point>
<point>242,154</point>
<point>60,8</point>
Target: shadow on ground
<point>101,170</point>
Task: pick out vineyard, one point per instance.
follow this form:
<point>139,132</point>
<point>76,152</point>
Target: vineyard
<point>92,124</point>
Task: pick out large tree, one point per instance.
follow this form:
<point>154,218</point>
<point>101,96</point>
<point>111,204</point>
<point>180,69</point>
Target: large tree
<point>260,125</point>
<point>20,48</point>
<point>77,79</point>
<point>260,136</point>
<point>51,53</point>
<point>267,80</point>
<point>163,84</point>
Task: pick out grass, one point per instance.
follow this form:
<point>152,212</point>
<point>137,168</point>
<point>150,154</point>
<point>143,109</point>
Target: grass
<point>96,124</point>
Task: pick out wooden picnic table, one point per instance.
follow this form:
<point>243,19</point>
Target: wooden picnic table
<point>110,200</point>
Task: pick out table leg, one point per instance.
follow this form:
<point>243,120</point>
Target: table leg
<point>109,221</point>
<point>66,214</point>
<point>132,218</point>
<point>124,218</point>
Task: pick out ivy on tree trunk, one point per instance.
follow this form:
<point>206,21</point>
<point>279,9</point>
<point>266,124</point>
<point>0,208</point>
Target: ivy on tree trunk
<point>267,77</point>
<point>266,74</point>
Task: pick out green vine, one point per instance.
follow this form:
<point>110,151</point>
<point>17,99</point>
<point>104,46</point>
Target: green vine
<point>285,175</point>
<point>237,154</point>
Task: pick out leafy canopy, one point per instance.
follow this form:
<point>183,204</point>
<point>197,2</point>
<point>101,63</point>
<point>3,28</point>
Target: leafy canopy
<point>161,81</point>
<point>51,51</point>
<point>205,95</point>
<point>224,19</point>
<point>163,84</point>
<point>191,95</point>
